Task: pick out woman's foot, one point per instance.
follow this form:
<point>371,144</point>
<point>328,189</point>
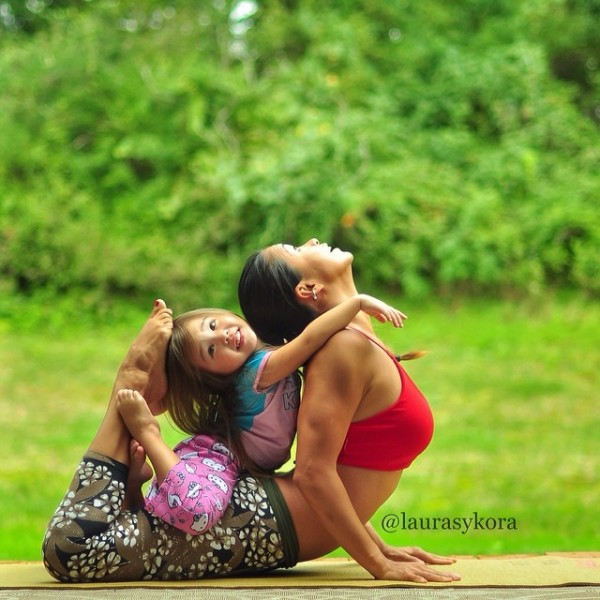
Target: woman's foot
<point>147,351</point>
<point>143,368</point>
<point>139,472</point>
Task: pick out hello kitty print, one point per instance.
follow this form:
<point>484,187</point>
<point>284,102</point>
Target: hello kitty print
<point>195,493</point>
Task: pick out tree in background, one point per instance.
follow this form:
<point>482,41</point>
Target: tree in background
<point>147,148</point>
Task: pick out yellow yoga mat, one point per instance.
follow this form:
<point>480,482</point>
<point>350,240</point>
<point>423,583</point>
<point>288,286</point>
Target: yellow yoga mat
<point>548,570</point>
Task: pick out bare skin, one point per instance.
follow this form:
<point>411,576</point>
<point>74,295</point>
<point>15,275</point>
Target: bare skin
<point>137,415</point>
<point>145,429</point>
<point>114,440</point>
<point>139,473</point>
<point>330,503</point>
<point>144,362</point>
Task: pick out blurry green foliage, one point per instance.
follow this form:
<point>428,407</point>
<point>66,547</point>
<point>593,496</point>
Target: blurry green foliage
<point>148,147</point>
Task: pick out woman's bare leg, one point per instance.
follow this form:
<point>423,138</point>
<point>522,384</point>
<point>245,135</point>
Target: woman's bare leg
<point>144,359</point>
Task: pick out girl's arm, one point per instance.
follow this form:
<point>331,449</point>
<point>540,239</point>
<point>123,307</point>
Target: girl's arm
<point>286,359</point>
<point>160,454</point>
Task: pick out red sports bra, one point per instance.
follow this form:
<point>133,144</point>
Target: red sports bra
<point>390,440</point>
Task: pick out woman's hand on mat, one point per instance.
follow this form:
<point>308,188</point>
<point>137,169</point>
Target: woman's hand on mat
<point>411,554</point>
<point>411,564</point>
<point>415,554</point>
<point>415,571</point>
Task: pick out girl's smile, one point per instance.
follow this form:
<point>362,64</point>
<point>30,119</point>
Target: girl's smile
<point>223,342</point>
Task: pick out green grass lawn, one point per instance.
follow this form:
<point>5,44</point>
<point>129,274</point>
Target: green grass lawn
<point>514,390</point>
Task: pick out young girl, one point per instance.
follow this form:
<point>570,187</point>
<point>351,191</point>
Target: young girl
<point>224,383</point>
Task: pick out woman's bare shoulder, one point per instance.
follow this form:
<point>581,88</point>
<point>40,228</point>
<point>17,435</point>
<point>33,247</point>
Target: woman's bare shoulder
<point>346,347</point>
<point>339,373</point>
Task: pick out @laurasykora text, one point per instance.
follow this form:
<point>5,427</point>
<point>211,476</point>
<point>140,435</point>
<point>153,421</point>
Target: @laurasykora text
<point>474,522</point>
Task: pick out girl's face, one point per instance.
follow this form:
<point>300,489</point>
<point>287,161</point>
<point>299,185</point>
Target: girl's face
<point>315,260</point>
<point>223,342</point>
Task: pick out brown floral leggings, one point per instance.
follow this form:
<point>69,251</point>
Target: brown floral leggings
<point>90,538</point>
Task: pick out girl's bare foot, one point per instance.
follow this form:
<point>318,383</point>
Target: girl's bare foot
<point>139,469</point>
<point>136,414</point>
<point>139,472</point>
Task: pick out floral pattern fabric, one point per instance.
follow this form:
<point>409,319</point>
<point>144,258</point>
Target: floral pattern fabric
<point>92,538</point>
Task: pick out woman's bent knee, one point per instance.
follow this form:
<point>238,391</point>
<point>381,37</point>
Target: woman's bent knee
<point>55,538</point>
<point>78,528</point>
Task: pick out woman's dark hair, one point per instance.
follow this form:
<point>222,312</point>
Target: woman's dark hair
<point>266,293</point>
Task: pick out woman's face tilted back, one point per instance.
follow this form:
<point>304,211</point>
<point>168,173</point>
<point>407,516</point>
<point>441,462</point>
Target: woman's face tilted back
<point>267,287</point>
<point>316,262</point>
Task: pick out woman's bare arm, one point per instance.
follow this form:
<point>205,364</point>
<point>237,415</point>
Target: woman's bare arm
<point>335,383</point>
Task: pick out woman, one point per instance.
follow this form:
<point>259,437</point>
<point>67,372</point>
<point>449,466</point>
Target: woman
<point>361,420</point>
<point>99,533</point>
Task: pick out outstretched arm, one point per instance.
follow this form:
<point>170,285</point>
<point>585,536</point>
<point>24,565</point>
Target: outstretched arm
<point>286,359</point>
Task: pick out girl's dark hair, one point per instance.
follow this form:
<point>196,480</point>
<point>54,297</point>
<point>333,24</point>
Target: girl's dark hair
<point>266,293</point>
<point>199,402</point>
